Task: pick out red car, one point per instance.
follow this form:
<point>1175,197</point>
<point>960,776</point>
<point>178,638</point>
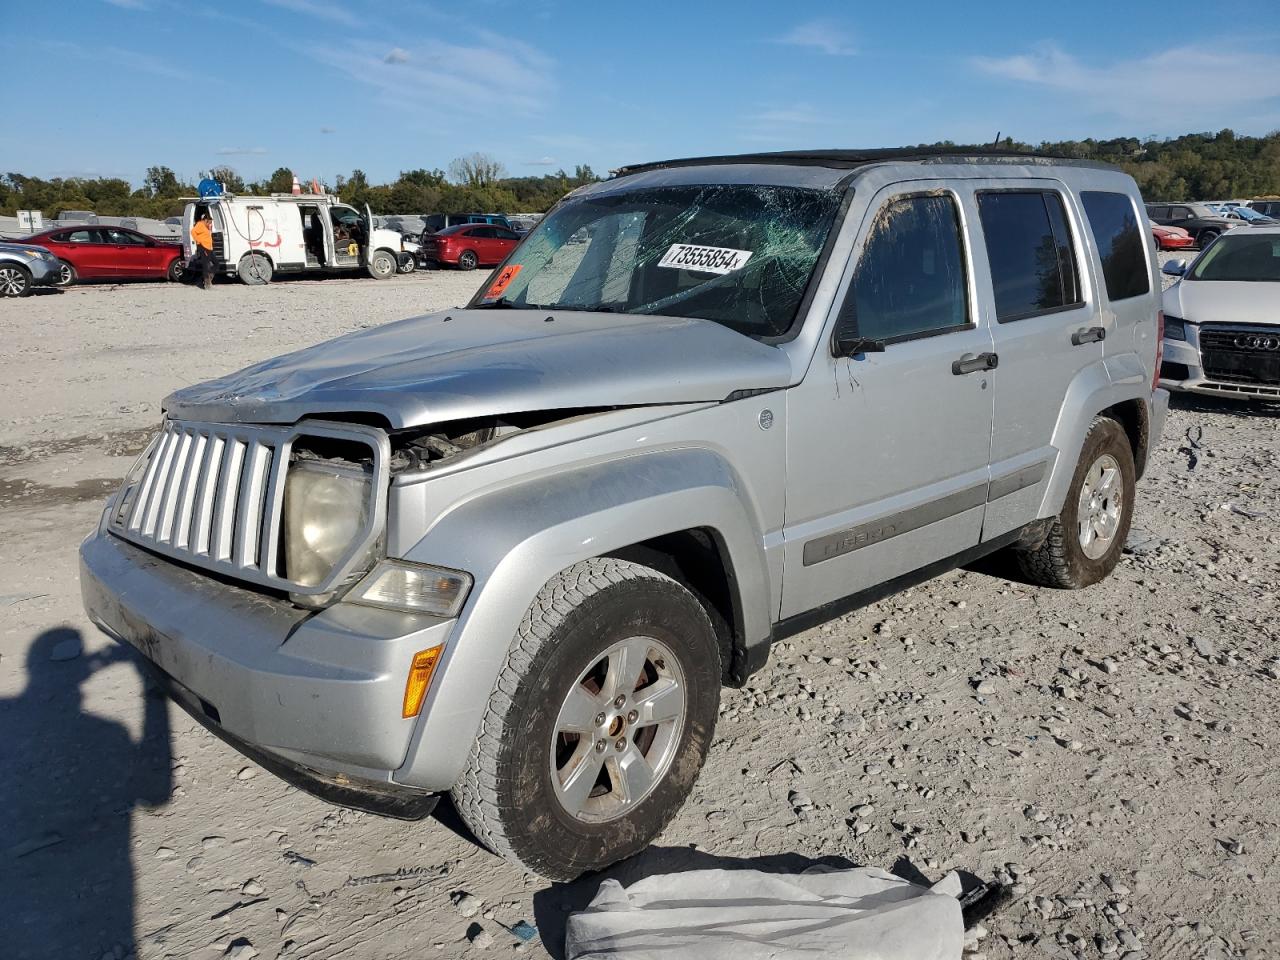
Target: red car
<point>98,252</point>
<point>470,245</point>
<point>1172,238</point>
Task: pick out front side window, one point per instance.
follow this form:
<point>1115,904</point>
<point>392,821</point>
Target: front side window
<point>910,279</point>
<point>1033,266</point>
<point>124,238</point>
<point>740,255</point>
<point>1114,223</point>
<point>1240,257</point>
<point>80,236</point>
<point>1181,213</point>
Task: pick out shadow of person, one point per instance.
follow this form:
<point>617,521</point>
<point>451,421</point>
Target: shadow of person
<point>69,781</point>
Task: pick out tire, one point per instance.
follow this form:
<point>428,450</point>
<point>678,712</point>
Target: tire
<point>177,270</point>
<point>15,280</point>
<point>66,274</point>
<point>254,269</point>
<point>467,260</point>
<point>382,265</point>
<point>409,265</point>
<point>1206,237</point>
<point>517,793</point>
<point>1065,560</point>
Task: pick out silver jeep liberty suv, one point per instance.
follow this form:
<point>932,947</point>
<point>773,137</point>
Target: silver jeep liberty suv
<point>512,551</point>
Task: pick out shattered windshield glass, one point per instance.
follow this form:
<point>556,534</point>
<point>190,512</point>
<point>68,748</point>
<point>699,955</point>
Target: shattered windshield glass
<point>737,254</point>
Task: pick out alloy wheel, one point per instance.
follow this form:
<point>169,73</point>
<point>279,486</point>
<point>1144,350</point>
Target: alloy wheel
<point>618,730</point>
<point>1100,506</point>
<point>13,283</point>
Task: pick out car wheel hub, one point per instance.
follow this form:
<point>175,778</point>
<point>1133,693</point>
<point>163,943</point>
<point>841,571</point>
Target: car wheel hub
<point>617,730</point>
<point>1100,507</point>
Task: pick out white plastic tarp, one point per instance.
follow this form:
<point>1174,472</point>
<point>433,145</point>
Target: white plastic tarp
<point>856,914</point>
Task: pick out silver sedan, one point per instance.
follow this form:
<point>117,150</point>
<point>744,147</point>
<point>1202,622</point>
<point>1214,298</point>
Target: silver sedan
<point>24,266</point>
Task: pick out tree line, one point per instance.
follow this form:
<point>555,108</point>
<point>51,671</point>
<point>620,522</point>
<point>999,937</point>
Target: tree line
<point>1195,166</point>
<point>472,183</point>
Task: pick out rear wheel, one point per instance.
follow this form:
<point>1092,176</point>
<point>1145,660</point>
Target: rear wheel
<point>66,274</point>
<point>1086,538</point>
<point>177,269</point>
<point>599,723</point>
<point>15,280</point>
<point>254,269</point>
<point>468,260</point>
<point>382,265</point>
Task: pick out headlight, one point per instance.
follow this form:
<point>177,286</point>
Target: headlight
<point>1175,328</point>
<point>413,587</point>
<point>34,254</point>
<point>326,507</point>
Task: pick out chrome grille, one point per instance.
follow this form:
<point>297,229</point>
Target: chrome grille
<point>212,495</point>
<point>1247,355</point>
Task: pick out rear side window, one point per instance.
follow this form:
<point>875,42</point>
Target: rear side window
<point>1114,223</point>
<point>1033,266</point>
<point>910,280</point>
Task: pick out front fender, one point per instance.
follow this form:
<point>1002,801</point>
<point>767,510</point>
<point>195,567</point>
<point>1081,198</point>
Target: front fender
<point>513,540</point>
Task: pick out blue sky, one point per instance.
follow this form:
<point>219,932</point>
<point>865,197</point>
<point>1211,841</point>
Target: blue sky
<point>323,86</point>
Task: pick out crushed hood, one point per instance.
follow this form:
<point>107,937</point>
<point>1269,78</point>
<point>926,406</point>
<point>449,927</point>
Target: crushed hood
<point>460,364</point>
<point>1224,301</point>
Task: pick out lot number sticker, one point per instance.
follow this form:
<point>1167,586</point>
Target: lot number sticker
<point>689,256</point>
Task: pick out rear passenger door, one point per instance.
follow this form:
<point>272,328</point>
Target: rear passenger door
<point>1045,329</point>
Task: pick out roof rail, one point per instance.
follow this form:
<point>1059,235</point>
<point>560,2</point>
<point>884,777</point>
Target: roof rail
<point>852,159</point>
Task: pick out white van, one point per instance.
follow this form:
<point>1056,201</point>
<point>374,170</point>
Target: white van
<point>258,237</point>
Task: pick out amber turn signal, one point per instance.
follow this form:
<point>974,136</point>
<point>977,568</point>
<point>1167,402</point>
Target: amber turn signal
<point>420,671</point>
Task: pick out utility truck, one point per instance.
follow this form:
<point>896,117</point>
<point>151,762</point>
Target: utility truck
<point>255,238</point>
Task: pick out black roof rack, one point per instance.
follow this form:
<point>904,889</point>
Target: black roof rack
<point>852,159</point>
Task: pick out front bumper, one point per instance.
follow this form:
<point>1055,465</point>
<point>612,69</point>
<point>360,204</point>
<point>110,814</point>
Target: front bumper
<point>44,273</point>
<point>319,691</point>
<point>1183,370</point>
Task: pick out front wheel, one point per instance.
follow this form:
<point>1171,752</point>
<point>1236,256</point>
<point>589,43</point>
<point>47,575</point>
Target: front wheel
<point>408,265</point>
<point>66,274</point>
<point>254,269</point>
<point>15,281</point>
<point>1206,237</point>
<point>599,722</point>
<point>1085,540</point>
<point>382,265</point>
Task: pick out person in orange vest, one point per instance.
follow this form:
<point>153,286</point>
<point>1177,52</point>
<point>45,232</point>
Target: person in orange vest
<point>202,237</point>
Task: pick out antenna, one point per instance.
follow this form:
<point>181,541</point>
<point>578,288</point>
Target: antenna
<point>996,142</point>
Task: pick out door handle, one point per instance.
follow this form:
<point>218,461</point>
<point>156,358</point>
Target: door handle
<point>971,363</point>
<point>1088,335</point>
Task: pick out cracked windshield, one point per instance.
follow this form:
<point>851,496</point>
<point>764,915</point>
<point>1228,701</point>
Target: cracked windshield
<point>739,255</point>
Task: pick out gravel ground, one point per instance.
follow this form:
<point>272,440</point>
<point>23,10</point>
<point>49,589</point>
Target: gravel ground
<point>1105,754</point>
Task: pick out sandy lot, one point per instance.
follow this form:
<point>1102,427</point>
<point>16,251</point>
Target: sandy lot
<point>1109,755</point>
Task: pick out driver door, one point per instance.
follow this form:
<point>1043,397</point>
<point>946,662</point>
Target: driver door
<point>888,448</point>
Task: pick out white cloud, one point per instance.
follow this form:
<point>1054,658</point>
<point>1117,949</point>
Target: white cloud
<point>821,35</point>
<point>499,74</point>
<point>787,124</point>
<point>396,55</point>
<point>542,162</point>
<point>328,130</point>
<point>1140,88</point>
<point>128,4</point>
<point>320,9</point>
<point>240,151</point>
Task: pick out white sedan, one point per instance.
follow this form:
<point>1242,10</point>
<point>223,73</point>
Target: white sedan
<point>1222,318</point>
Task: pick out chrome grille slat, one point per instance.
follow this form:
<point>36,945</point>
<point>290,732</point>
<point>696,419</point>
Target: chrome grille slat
<point>181,535</point>
<point>172,487</point>
<point>228,494</point>
<point>148,482</point>
<point>202,522</point>
<point>211,494</point>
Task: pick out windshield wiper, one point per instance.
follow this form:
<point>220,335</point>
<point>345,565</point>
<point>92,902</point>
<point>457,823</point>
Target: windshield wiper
<point>502,303</point>
<point>577,308</point>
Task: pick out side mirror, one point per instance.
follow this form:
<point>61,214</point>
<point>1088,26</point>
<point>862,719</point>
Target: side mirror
<point>846,343</point>
<point>1174,268</point>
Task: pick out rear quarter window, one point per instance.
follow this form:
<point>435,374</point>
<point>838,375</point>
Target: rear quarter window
<point>1113,220</point>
